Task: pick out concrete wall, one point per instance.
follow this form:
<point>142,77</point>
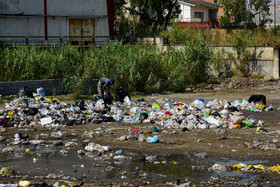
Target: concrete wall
<point>59,13</point>
<point>264,60</point>
<point>55,7</point>
<point>51,86</point>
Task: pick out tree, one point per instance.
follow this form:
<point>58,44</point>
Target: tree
<point>243,13</point>
<point>259,12</point>
<point>151,15</point>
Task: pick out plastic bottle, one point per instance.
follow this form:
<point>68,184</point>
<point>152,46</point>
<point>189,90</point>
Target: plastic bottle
<point>247,123</point>
<point>118,152</point>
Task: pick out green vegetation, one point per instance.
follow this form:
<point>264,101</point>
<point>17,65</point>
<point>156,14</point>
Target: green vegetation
<point>144,17</point>
<point>139,67</point>
<point>220,37</point>
<point>242,13</point>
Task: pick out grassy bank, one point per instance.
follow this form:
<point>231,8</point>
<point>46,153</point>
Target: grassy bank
<point>219,37</point>
<point>140,67</point>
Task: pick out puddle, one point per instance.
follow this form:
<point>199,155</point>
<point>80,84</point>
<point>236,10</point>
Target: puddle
<point>93,167</point>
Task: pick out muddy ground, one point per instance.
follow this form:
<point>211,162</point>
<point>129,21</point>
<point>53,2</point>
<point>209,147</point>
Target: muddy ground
<point>224,145</point>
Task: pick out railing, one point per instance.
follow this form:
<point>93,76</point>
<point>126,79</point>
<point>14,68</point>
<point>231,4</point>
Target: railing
<point>57,40</point>
<point>198,20</point>
<point>73,40</point>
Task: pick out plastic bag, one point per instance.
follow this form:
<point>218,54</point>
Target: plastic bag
<point>127,100</point>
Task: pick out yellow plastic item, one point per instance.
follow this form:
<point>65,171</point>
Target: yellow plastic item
<point>259,128</point>
<point>123,173</point>
<point>260,106</point>
<point>11,114</point>
<point>49,100</point>
<point>259,167</point>
<point>27,150</point>
<point>249,167</point>
<point>63,185</point>
<point>37,99</point>
<point>237,166</point>
<point>24,183</point>
<point>6,171</point>
<point>237,126</point>
<point>55,100</point>
<point>274,169</point>
<point>155,105</point>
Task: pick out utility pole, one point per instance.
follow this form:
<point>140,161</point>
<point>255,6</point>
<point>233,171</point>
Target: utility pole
<point>275,14</point>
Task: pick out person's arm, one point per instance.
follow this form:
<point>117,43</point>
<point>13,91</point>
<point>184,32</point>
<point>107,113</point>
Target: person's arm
<point>106,86</point>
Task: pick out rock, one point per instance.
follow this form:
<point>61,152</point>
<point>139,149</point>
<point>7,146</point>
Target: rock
<point>201,155</point>
<point>151,158</point>
<point>58,143</point>
<point>230,85</point>
<point>267,78</point>
<point>189,89</point>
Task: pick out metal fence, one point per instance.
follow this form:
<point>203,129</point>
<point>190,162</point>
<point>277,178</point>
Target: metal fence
<point>73,40</point>
<point>54,40</point>
<point>198,20</point>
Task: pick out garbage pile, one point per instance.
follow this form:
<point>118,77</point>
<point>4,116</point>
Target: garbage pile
<point>50,112</point>
<point>26,183</point>
<point>244,167</point>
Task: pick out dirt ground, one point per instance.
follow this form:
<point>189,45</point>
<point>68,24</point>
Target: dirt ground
<point>230,143</point>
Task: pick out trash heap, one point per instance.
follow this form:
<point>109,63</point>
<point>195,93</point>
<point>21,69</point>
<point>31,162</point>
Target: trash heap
<point>50,112</point>
<point>244,167</point>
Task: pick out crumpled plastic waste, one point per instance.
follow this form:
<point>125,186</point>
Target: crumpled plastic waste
<point>243,167</point>
<point>7,171</point>
<point>48,112</point>
<point>153,139</point>
<point>96,147</point>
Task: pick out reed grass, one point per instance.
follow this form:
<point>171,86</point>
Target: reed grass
<point>139,67</point>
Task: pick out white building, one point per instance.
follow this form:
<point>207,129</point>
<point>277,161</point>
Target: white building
<point>199,13</point>
<point>54,21</point>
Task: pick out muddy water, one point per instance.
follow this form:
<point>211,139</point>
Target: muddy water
<point>94,167</point>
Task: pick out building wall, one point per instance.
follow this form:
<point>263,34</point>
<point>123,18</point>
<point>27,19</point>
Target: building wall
<point>220,11</point>
<point>59,13</point>
<point>77,7</point>
<point>186,12</point>
<point>277,15</point>
<point>200,9</point>
<point>21,26</point>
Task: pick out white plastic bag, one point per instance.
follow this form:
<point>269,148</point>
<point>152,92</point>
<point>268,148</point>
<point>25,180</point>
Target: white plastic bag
<point>46,120</point>
<point>127,100</point>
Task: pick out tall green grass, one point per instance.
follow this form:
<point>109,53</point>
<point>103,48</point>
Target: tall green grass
<point>219,37</point>
<point>139,67</point>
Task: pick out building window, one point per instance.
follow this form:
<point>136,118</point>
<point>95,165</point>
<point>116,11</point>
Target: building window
<point>198,14</point>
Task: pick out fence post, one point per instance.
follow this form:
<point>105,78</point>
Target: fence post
<point>60,39</point>
<point>159,42</point>
<point>26,40</point>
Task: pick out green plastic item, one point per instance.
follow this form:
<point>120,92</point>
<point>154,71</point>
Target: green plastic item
<point>240,99</point>
<point>247,123</point>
